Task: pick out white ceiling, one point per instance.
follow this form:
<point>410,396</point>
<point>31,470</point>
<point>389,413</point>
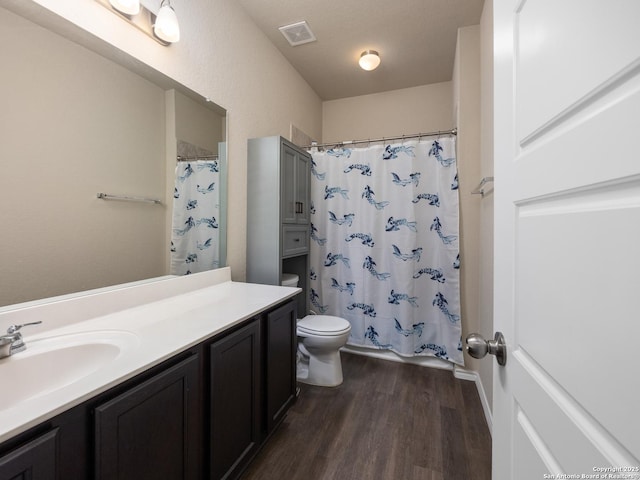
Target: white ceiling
<point>416,40</point>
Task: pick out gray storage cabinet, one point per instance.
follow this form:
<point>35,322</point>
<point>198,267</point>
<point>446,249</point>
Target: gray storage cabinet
<point>278,201</point>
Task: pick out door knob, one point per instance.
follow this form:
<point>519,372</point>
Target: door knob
<point>478,347</point>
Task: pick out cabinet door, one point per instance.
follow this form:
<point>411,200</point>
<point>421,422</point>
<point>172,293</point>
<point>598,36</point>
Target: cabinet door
<point>281,345</point>
<point>235,400</point>
<point>289,205</point>
<point>303,172</point>
<point>151,431</point>
<point>36,460</point>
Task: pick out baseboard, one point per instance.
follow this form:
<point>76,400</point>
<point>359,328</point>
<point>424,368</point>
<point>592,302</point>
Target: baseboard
<point>472,376</point>
<point>430,362</point>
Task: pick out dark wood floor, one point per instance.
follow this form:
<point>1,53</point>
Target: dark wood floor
<point>387,421</point>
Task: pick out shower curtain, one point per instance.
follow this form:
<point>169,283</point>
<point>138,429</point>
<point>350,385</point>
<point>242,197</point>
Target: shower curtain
<point>385,245</point>
<point>195,239</point>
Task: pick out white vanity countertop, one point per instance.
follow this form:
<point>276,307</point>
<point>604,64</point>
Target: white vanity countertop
<point>158,324</point>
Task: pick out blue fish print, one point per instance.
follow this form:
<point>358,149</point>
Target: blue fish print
<point>368,194</point>
<point>314,172</point>
<point>339,152</point>
<point>439,351</point>
<point>364,237</point>
<point>454,184</point>
<point>332,260</point>
<point>209,222</point>
<point>211,166</point>
<point>441,302</point>
<point>314,236</point>
<point>348,219</point>
<point>368,310</point>
<point>431,197</point>
<point>331,192</point>
<point>413,178</point>
<point>414,255</point>
<point>191,204</point>
<point>394,225</point>
<point>416,330</point>
<point>206,190</point>
<point>435,274</point>
<point>313,296</point>
<point>435,150</point>
<point>189,224</point>
<point>372,335</point>
<point>456,262</point>
<point>369,265</point>
<point>312,274</point>
<point>394,299</point>
<point>205,245</point>
<point>192,257</point>
<point>188,171</point>
<point>364,169</point>
<point>392,152</point>
<point>348,287</point>
<point>446,239</point>
<point>312,208</point>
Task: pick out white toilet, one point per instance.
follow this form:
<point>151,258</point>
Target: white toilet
<point>320,338</point>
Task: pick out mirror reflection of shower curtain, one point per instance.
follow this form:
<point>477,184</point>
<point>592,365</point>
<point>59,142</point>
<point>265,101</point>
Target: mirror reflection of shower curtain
<point>384,245</point>
<point>195,232</point>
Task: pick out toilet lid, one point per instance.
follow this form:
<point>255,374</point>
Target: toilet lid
<point>323,325</point>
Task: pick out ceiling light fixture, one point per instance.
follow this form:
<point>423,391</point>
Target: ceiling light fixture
<point>369,60</point>
<point>166,27</point>
<point>128,7</point>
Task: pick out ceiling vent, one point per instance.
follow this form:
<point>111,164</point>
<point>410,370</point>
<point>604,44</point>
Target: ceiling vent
<point>297,33</point>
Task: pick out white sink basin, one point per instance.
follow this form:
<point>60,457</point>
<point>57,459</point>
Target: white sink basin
<point>51,363</point>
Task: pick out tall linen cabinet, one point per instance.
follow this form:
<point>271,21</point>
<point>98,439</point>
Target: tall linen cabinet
<point>278,222</point>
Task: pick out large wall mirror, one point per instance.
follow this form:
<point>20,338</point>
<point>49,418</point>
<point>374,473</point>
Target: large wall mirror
<point>75,123</point>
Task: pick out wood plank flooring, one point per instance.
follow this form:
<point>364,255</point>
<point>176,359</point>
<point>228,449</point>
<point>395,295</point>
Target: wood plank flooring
<point>387,421</point>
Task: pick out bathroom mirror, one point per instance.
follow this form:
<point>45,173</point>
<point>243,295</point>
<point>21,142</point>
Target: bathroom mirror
<point>78,119</point>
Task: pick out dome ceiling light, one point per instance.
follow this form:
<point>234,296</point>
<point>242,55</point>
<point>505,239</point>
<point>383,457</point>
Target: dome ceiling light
<point>369,60</point>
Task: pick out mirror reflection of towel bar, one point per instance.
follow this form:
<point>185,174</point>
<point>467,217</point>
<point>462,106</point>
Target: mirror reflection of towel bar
<point>479,190</point>
<point>105,196</point>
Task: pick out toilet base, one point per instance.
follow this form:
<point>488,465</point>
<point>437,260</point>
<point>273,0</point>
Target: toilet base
<point>322,369</point>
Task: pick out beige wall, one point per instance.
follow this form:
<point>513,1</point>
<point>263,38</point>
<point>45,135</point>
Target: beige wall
<point>221,55</point>
<point>75,124</point>
<point>466,105</point>
<point>485,280</point>
<point>411,110</point>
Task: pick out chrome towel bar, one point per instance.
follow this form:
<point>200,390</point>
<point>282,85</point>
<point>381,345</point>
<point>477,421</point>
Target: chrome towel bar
<point>479,190</point>
<point>105,196</point>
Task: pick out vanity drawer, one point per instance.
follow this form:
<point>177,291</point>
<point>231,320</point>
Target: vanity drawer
<point>295,240</point>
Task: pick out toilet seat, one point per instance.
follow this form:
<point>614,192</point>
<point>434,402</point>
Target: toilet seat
<point>323,325</point>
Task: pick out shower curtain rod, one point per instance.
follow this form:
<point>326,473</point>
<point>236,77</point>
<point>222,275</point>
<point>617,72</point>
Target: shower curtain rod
<point>453,131</point>
<point>197,157</point>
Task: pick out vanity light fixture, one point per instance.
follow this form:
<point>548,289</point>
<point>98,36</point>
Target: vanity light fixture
<point>156,18</point>
<point>128,7</point>
<point>166,27</point>
<point>369,60</point>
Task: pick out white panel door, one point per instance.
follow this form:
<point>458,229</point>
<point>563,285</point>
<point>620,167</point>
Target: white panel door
<point>567,238</point>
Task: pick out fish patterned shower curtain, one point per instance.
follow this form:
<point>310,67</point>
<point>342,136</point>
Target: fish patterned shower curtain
<point>195,238</point>
<point>385,245</point>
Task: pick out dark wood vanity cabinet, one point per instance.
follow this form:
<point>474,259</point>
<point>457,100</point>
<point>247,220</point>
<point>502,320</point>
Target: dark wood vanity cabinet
<point>35,460</point>
<point>203,413</point>
<point>235,400</point>
<point>280,363</point>
<point>152,430</point>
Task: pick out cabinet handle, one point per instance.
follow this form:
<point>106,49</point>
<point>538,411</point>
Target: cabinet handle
<point>299,207</point>
<point>296,239</point>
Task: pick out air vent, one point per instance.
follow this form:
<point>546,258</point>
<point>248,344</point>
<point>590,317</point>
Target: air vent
<point>297,33</point>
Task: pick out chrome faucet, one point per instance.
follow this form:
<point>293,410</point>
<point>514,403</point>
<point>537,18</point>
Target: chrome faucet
<point>12,342</point>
